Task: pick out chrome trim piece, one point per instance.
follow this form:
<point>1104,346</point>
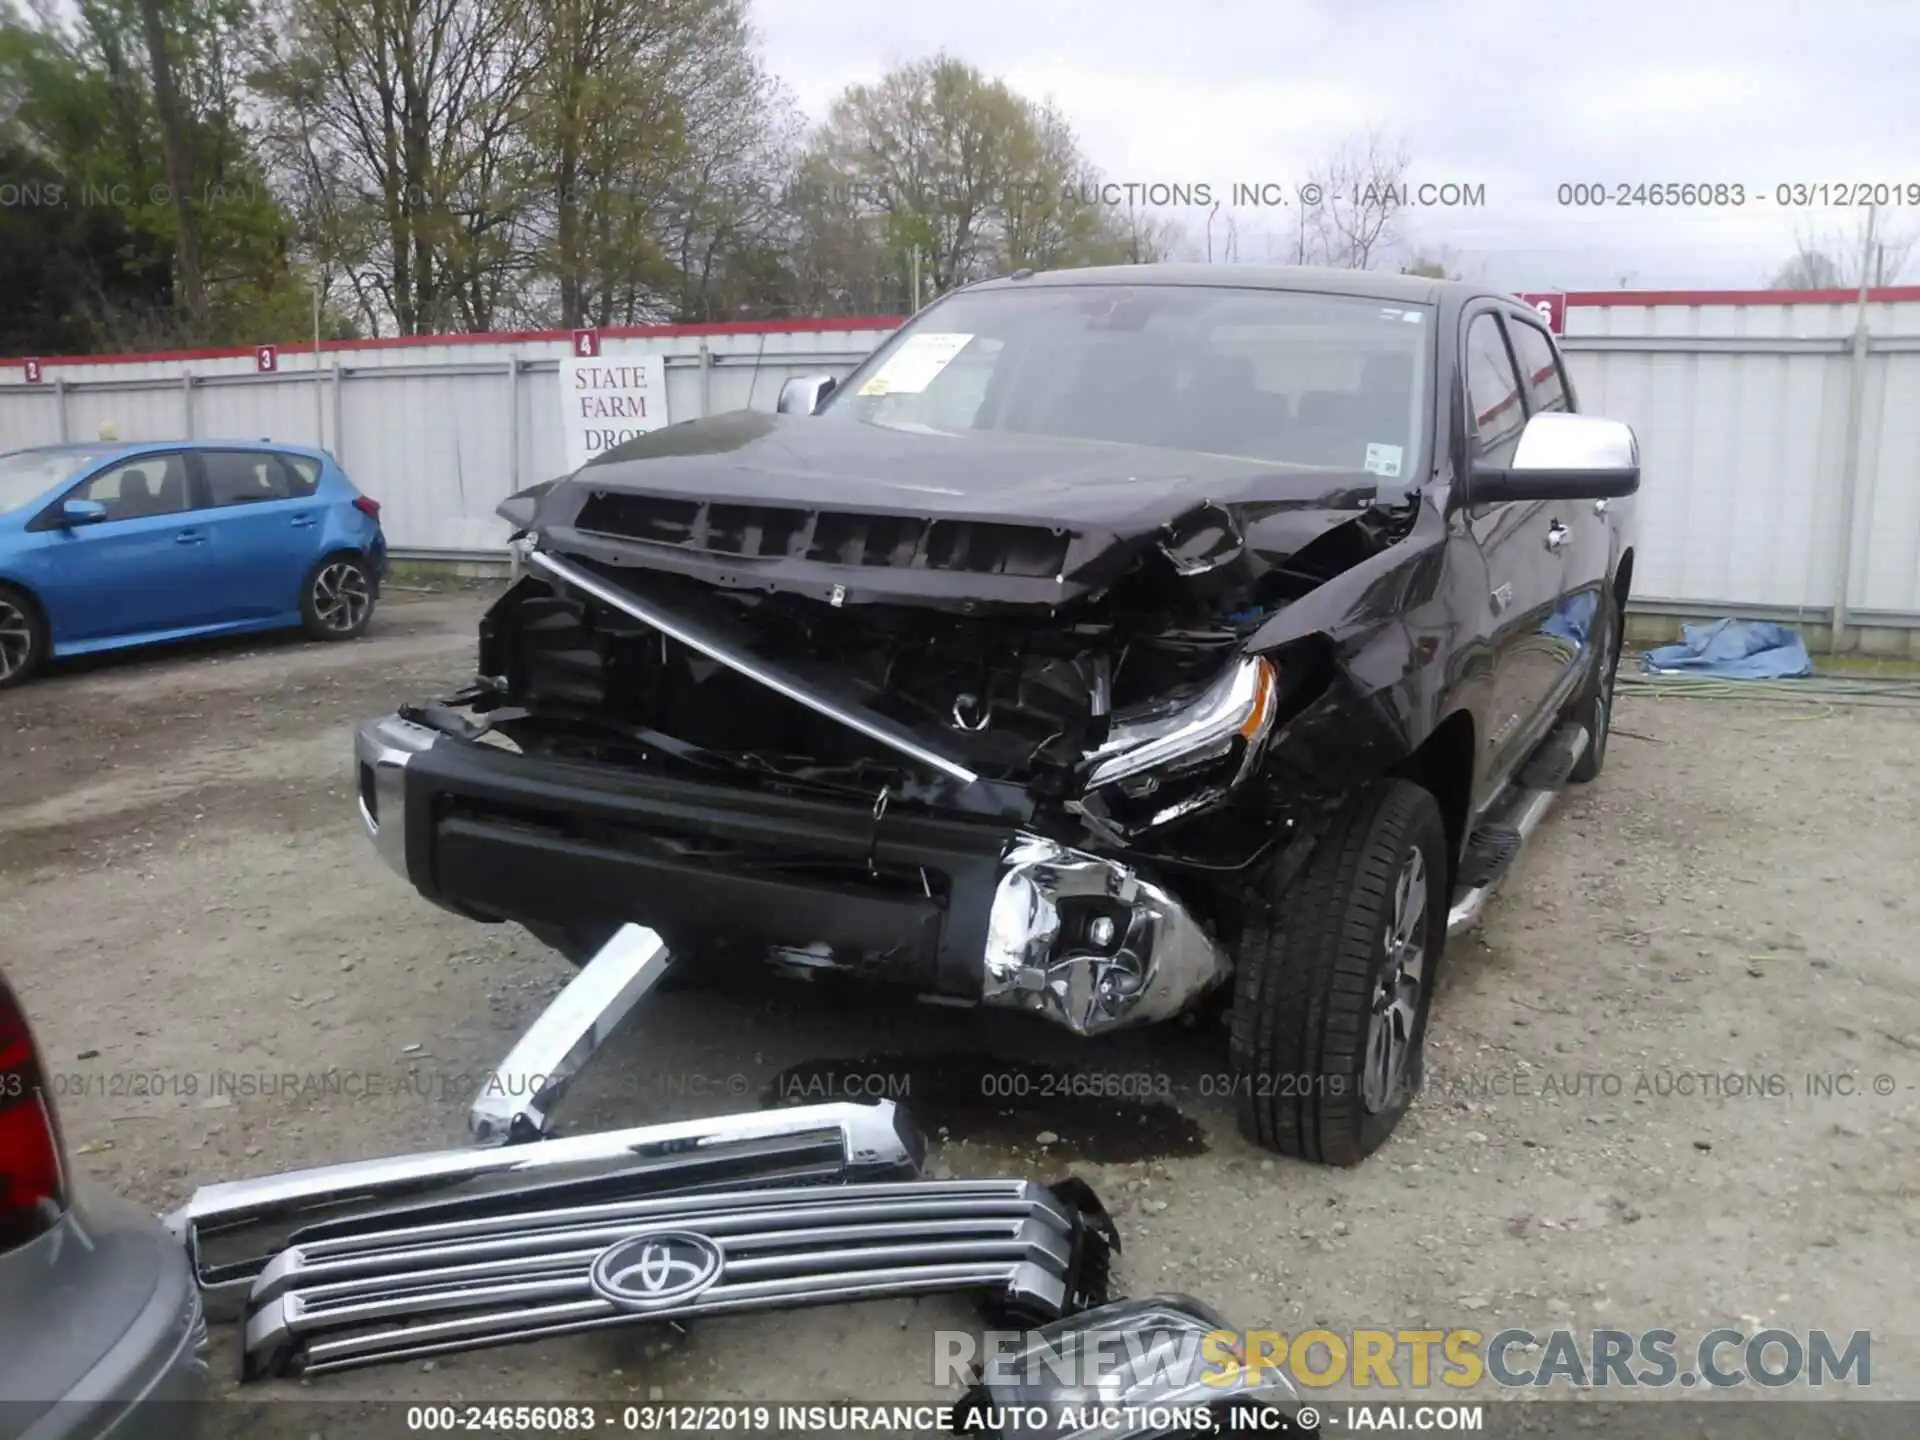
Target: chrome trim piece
<point>516,1101</point>
<point>1041,956</point>
<point>381,750</point>
<point>1211,719</point>
<point>234,1229</point>
<point>1529,808</point>
<point>688,633</point>
<point>414,1291</point>
<point>1134,1360</point>
<point>1555,440</point>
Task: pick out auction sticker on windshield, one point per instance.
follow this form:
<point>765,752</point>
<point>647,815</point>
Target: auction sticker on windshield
<point>912,367</point>
<point>1384,460</point>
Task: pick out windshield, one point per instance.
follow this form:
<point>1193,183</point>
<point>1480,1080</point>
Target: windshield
<point>1315,381</point>
<point>26,475</point>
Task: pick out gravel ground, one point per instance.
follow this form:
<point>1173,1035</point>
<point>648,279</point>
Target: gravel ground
<point>184,889</point>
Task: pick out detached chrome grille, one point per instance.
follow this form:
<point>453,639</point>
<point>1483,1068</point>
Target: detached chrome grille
<point>232,1230</point>
<point>828,536</point>
<point>1036,1253</point>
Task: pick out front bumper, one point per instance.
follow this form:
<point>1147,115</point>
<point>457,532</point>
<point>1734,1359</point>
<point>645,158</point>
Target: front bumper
<point>967,909</point>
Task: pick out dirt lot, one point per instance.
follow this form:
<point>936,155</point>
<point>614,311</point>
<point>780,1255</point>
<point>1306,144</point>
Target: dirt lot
<point>185,889</point>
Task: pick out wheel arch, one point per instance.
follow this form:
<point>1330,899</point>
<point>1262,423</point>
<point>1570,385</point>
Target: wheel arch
<point>1443,766</point>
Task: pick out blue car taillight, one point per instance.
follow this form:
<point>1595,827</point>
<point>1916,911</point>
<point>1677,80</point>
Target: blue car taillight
<point>368,508</point>
<point>33,1180</point>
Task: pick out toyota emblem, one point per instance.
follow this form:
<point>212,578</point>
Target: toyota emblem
<point>656,1268</point>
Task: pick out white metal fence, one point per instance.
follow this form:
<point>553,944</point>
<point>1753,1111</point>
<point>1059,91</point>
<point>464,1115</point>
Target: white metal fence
<point>1768,428</point>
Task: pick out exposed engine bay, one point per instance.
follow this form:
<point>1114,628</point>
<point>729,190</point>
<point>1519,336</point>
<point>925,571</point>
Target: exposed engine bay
<point>1024,702</point>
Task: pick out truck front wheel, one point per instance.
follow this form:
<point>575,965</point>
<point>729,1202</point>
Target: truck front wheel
<point>1334,978</point>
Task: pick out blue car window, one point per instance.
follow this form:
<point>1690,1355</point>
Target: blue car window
<point>241,477</point>
<point>150,485</point>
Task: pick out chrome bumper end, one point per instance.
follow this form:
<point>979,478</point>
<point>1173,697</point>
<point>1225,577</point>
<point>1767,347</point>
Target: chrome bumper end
<point>1090,943</point>
<point>381,750</point>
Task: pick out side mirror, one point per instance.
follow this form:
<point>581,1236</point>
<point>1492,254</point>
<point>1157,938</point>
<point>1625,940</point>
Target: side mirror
<point>1563,457</point>
<point>803,393</point>
<point>82,512</point>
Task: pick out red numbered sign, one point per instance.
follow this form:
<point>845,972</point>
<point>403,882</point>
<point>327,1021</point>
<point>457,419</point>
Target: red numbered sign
<point>586,344</point>
<point>1552,309</point>
<point>266,359</point>
<point>32,368</point>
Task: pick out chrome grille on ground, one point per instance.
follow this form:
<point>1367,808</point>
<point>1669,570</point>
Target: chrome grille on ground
<point>232,1230</point>
<point>828,536</point>
<point>1033,1252</point>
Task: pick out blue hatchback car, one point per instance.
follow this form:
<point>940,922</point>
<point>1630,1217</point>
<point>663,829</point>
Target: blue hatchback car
<point>109,545</point>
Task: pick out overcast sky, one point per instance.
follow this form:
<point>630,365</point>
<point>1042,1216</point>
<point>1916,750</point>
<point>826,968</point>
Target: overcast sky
<point>1517,95</point>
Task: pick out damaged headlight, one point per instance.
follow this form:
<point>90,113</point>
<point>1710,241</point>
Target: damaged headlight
<point>1231,715</point>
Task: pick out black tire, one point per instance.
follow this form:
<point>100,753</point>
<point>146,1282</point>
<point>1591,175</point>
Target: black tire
<point>1594,709</point>
<point>23,637</point>
<point>337,597</point>
<point>1309,978</point>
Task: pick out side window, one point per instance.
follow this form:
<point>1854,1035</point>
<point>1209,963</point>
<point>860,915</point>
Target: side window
<point>1493,394</point>
<point>151,485</point>
<point>1546,386</point>
<point>241,477</point>
<point>305,474</point>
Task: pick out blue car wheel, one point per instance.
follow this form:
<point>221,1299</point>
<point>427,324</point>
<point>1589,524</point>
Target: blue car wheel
<point>337,600</point>
<point>23,637</point>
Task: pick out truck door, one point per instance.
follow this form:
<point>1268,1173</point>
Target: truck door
<point>1525,544</point>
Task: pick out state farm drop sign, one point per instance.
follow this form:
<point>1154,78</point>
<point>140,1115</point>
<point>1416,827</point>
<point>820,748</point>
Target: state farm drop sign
<point>607,400</point>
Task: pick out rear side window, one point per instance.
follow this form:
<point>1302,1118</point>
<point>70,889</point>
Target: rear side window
<point>1493,394</point>
<point>1546,386</point>
<point>242,477</point>
<point>304,474</point>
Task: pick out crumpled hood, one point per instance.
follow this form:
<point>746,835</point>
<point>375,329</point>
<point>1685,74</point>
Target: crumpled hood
<point>859,513</point>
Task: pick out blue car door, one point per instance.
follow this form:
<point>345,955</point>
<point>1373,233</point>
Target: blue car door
<point>265,528</point>
<point>141,569</point>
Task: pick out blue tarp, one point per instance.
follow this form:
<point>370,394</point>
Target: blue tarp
<point>1733,650</point>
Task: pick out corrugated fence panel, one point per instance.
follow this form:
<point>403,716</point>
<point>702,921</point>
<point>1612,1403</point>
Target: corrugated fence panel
<point>1740,402</point>
<point>435,451</point>
<point>1886,573</point>
<point>280,407</point>
<point>29,416</point>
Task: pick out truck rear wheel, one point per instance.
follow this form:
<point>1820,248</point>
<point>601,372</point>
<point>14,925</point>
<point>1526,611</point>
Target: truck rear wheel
<point>1334,980</point>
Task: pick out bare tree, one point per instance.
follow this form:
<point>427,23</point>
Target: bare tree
<point>1351,204</point>
<point>177,157</point>
<point>1838,258</point>
<point>399,117</point>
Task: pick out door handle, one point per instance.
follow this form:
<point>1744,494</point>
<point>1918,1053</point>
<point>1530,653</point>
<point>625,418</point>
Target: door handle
<point>303,522</point>
<point>191,537</point>
<point>1600,507</point>
<point>1557,537</point>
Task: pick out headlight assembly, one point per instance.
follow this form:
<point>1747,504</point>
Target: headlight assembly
<point>1234,713</point>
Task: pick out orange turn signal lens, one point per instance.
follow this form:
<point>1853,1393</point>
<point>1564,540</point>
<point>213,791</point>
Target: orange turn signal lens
<point>1265,696</point>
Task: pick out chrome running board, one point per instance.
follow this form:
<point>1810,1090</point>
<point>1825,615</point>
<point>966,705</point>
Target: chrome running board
<point>412,1291</point>
<point>1524,812</point>
<point>516,1101</point>
<point>232,1230</point>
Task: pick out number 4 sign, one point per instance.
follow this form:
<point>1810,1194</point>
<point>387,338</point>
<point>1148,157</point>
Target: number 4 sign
<point>586,344</point>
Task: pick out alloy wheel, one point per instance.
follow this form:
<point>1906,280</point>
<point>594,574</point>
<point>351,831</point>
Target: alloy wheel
<point>16,639</point>
<point>341,597</point>
<point>1396,995</point>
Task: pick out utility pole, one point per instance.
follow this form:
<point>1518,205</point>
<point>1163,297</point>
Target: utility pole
<point>916,279</point>
<point>1856,422</point>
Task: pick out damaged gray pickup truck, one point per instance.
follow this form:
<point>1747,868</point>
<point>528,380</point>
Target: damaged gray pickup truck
<point>1111,645</point>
